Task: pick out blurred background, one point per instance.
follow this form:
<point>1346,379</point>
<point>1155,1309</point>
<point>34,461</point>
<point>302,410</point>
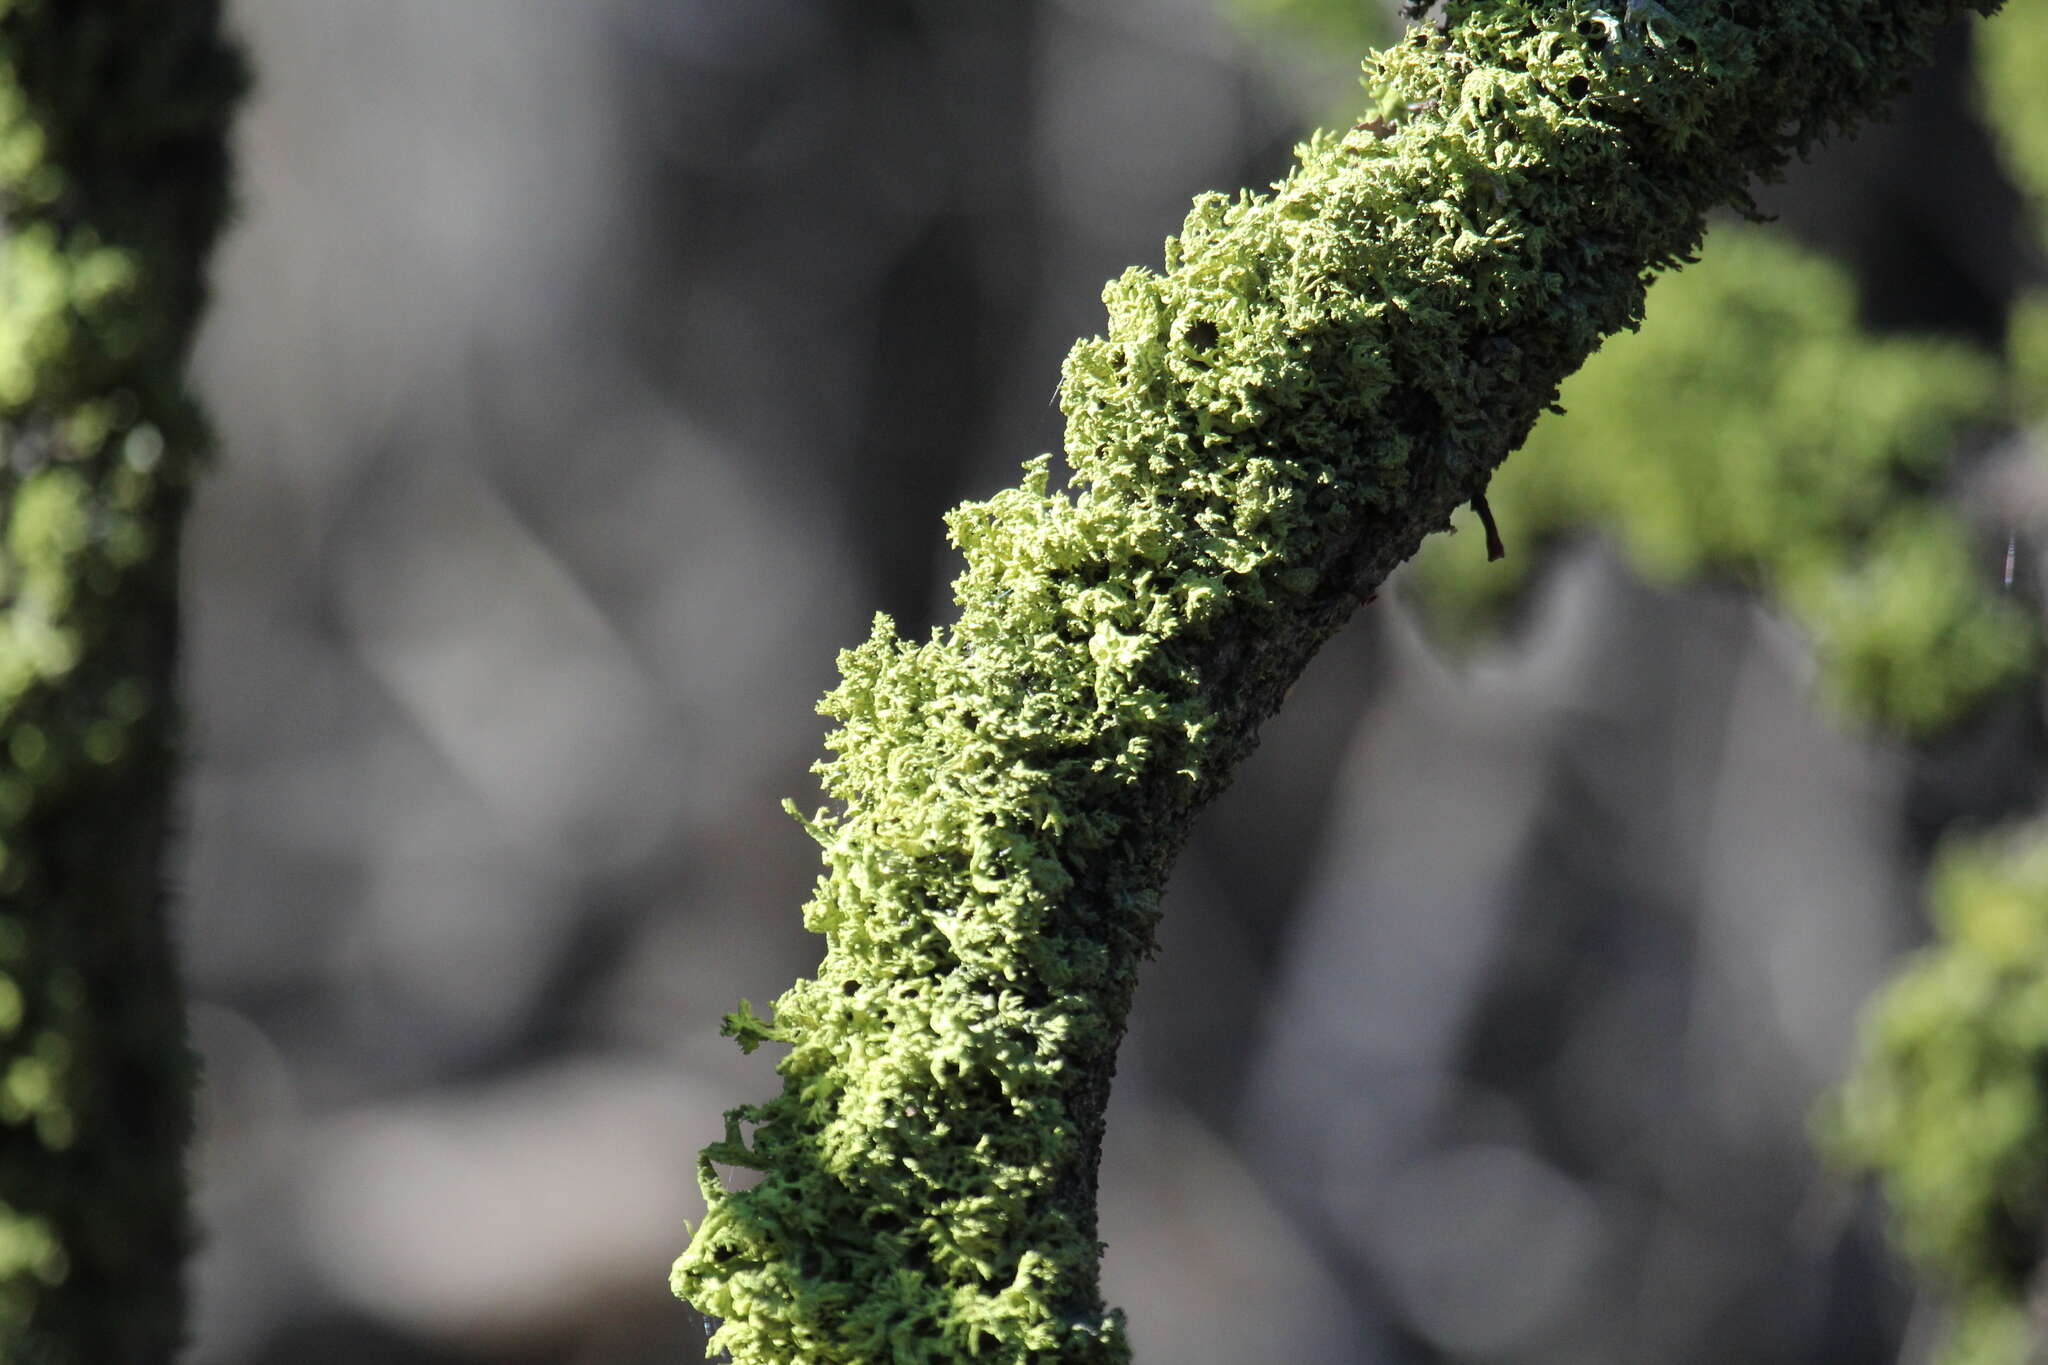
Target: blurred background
<point>586,375</point>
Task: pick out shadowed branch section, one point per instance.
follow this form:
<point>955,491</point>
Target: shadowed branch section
<point>113,185</point>
<point>1319,376</point>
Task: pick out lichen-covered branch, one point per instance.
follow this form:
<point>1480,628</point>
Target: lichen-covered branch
<point>113,185</point>
<point>1319,377</point>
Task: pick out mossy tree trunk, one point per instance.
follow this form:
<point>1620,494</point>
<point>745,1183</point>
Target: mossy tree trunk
<point>113,186</point>
<point>1319,377</point>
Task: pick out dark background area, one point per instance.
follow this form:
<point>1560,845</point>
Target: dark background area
<point>587,375</point>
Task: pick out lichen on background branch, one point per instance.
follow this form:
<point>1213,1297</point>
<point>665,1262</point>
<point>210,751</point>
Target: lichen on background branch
<point>1948,1103</point>
<point>1754,432</point>
<point>2013,99</point>
<point>1319,377</point>
<point>113,185</point>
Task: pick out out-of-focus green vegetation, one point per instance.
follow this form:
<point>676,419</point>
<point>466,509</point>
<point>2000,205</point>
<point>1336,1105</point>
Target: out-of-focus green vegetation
<point>1320,43</point>
<point>2026,349</point>
<point>1950,1102</point>
<point>2012,83</point>
<point>1753,433</point>
<point>1948,1105</point>
<point>2013,98</point>
<point>1349,27</point>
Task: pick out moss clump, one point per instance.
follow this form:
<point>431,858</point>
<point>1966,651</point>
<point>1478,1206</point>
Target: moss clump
<point>1319,377</point>
<point>113,184</point>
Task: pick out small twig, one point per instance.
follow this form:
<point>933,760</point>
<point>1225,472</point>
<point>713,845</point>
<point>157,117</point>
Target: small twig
<point>1494,548</point>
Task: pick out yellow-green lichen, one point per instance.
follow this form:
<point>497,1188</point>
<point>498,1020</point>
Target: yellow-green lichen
<point>1320,375</point>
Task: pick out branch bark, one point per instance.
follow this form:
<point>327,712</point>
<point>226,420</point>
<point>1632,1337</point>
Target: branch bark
<point>113,185</point>
<point>1319,377</point>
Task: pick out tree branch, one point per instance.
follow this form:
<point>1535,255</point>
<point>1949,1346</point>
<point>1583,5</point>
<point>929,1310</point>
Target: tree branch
<point>113,185</point>
<point>1321,375</point>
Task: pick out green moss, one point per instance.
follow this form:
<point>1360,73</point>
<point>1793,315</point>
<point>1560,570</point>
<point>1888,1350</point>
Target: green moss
<point>1317,379</point>
<point>1949,1103</point>
<point>112,187</point>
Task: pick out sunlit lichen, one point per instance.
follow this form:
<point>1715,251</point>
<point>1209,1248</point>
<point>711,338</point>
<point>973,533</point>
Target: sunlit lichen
<point>112,188</point>
<point>1319,377</point>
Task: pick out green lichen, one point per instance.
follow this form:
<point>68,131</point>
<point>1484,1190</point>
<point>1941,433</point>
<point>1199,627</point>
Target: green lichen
<point>1319,377</point>
<point>113,178</point>
<point>1949,1103</point>
<point>1752,432</point>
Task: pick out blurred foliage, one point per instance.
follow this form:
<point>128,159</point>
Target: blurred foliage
<point>1753,432</point>
<point>1950,1100</point>
<point>1319,43</point>
<point>1348,27</point>
<point>2013,98</point>
<point>2026,349</point>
